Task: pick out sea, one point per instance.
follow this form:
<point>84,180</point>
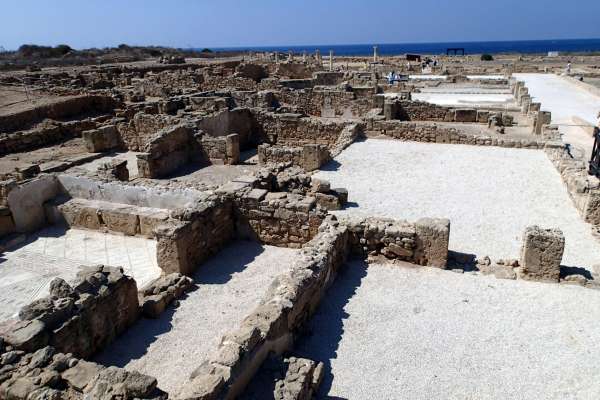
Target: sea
<point>518,46</point>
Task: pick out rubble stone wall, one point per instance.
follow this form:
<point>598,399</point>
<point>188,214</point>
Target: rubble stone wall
<point>81,319</point>
<point>290,301</point>
<point>226,122</point>
<point>166,152</point>
<point>434,133</point>
<point>308,157</point>
<point>58,109</point>
<point>194,235</point>
<point>43,135</point>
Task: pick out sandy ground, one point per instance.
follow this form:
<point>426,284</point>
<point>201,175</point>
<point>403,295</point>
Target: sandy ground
<point>230,286</point>
<point>392,332</point>
<point>564,100</point>
<point>490,194</point>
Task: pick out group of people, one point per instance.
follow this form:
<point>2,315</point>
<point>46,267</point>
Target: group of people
<point>393,77</point>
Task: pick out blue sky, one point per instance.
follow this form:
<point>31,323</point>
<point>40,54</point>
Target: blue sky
<point>212,23</point>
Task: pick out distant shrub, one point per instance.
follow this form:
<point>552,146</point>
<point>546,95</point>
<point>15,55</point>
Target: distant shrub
<point>487,57</point>
<point>205,50</point>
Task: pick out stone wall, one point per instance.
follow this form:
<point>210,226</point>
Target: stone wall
<point>81,319</point>
<point>435,133</point>
<point>48,374</point>
<point>424,242</point>
<point>226,122</point>
<point>221,150</point>
<point>166,152</point>
<point>421,111</point>
<point>329,102</point>
<point>308,157</point>
<point>194,234</point>
<point>57,109</point>
<point>584,189</point>
<point>295,130</point>
<point>142,128</point>
<point>292,298</point>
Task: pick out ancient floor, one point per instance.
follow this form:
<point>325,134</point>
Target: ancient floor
<point>466,97</point>
<point>230,285</point>
<point>26,271</point>
<point>420,333</point>
<point>565,100</point>
<point>490,194</point>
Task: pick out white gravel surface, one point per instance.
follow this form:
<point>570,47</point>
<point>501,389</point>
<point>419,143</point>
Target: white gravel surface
<point>565,100</point>
<point>230,286</point>
<point>490,194</point>
<point>392,332</point>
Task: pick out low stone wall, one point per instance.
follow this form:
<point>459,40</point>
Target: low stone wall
<point>295,295</point>
<point>434,133</point>
<point>329,102</point>
<point>80,320</point>
<point>291,300</point>
<point>295,130</point>
<point>279,219</point>
<point>48,374</point>
<point>155,297</point>
<point>58,109</point>
<point>424,242</point>
<point>408,110</point>
<point>102,139</point>
<point>584,189</point>
<point>221,150</point>
<point>308,157</point>
<point>169,150</point>
<point>193,235</point>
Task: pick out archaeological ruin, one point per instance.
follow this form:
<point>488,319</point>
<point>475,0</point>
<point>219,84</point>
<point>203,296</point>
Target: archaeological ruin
<point>259,226</point>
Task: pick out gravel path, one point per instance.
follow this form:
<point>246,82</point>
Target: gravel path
<point>392,332</point>
<point>230,286</point>
<point>490,194</point>
<point>564,100</point>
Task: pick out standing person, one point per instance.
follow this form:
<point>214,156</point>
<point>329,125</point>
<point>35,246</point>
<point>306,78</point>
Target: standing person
<point>390,77</point>
<point>569,68</point>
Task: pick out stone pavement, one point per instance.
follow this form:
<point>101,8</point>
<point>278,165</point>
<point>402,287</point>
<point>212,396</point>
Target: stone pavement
<point>26,271</point>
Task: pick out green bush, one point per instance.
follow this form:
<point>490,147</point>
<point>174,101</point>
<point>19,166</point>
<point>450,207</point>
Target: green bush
<point>487,57</point>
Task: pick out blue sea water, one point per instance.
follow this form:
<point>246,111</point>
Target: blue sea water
<point>522,46</point>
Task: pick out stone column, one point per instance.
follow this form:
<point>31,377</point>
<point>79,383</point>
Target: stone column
<point>318,56</point>
<point>276,57</point>
<point>304,56</point>
<point>375,55</point>
<point>542,253</point>
<point>290,56</point>
<point>330,60</point>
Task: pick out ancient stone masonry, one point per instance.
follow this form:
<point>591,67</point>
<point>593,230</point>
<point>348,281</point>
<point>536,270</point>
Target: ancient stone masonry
<point>439,133</point>
<point>330,102</point>
<point>49,374</point>
<point>583,188</point>
<point>542,253</point>
<point>271,327</point>
<point>80,320</point>
<point>166,152</point>
<point>285,379</point>
<point>308,157</point>
<point>64,108</point>
<point>424,242</point>
<point>155,297</point>
<point>221,150</point>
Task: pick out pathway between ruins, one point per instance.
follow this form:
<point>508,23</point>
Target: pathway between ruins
<point>565,100</point>
<point>423,333</point>
<point>230,286</point>
<point>490,194</point>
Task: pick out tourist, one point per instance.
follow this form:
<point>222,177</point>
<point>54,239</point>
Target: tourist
<point>390,77</point>
<point>569,68</point>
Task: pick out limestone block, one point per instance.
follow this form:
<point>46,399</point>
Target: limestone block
<point>150,220</point>
<point>101,139</point>
<point>432,237</point>
<point>122,219</point>
<point>465,115</point>
<point>541,253</point>
<point>483,116</point>
<point>232,143</point>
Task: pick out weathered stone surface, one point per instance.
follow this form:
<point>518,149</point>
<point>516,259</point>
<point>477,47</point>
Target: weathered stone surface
<point>541,253</point>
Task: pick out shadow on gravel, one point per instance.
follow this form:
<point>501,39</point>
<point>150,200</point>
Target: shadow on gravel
<point>465,261</point>
<point>324,333</point>
<point>566,271</point>
<point>218,270</point>
<point>332,165</point>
